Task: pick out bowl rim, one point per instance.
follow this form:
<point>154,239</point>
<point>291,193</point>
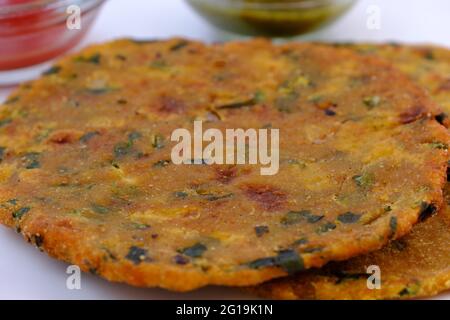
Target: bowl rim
<point>18,9</point>
<point>294,4</point>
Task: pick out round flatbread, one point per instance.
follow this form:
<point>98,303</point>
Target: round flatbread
<point>415,266</point>
<point>87,176</point>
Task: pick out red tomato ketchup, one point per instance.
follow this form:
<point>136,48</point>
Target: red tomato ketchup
<point>34,31</point>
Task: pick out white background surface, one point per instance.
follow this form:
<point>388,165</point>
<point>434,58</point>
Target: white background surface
<point>25,273</point>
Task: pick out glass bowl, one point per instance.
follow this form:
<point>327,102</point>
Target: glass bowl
<point>35,31</point>
<point>270,17</point>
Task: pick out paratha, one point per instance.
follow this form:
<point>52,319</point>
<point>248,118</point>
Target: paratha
<point>86,173</point>
<point>415,266</point>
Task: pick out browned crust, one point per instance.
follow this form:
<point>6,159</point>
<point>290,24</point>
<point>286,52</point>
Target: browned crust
<point>418,265</point>
<point>66,239</point>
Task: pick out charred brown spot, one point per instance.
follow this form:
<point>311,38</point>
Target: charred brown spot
<point>180,259</point>
<point>426,210</point>
<point>225,175</point>
<point>37,240</point>
<point>412,114</point>
<point>399,245</point>
<point>448,170</point>
<point>442,118</point>
<point>171,105</point>
<point>63,137</point>
<point>268,197</point>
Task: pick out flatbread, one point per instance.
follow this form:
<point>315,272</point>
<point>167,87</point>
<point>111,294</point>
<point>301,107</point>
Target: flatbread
<point>417,265</point>
<point>86,173</point>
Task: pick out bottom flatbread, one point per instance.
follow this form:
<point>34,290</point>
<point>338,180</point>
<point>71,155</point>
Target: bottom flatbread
<point>417,265</point>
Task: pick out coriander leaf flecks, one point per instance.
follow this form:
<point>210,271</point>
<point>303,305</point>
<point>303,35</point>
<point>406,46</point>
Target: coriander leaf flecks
<point>294,217</point>
<point>195,251</point>
<point>31,160</point>
<point>137,255</point>
<point>88,136</point>
<point>289,260</point>
<point>349,217</point>
<point>52,70</point>
<point>261,230</point>
<point>20,212</point>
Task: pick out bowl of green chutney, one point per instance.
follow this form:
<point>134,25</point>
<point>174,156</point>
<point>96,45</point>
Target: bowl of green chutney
<point>273,18</point>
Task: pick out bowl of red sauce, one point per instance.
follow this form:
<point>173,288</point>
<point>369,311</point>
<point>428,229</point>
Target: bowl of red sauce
<point>35,31</point>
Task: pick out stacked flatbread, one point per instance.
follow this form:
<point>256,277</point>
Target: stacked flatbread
<point>86,172</point>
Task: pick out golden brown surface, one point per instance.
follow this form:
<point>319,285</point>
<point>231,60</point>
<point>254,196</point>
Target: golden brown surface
<point>417,265</point>
<point>86,173</point>
<point>427,65</point>
<point>414,266</point>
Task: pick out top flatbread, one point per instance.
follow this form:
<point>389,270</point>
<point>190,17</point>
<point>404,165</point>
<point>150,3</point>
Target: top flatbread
<point>415,266</point>
<point>86,173</point>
